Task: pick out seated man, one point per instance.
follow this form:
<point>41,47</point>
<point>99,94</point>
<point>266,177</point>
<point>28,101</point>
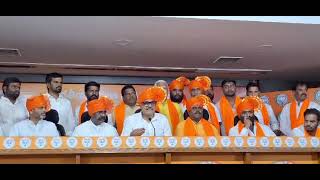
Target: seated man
<point>97,110</point>
<point>35,125</point>
<point>148,122</point>
<point>248,124</point>
<point>196,125</point>
<point>311,124</point>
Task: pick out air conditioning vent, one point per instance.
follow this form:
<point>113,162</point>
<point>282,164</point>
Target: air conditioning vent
<point>9,52</point>
<point>227,59</point>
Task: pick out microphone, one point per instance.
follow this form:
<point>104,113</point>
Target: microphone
<point>154,129</point>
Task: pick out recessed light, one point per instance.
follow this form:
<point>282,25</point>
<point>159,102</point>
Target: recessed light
<point>122,42</point>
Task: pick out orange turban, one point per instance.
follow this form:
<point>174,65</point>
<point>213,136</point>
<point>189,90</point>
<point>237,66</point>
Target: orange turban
<point>179,83</point>
<point>201,82</point>
<point>154,93</point>
<point>175,84</point>
<point>195,101</point>
<point>38,102</point>
<point>101,104</point>
<point>248,104</point>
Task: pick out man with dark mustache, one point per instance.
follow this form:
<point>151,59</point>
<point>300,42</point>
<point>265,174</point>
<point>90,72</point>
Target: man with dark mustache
<point>12,105</point>
<point>195,124</point>
<point>60,103</point>
<point>292,115</point>
<point>91,91</point>
<point>311,124</point>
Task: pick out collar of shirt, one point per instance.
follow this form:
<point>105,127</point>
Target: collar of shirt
<point>154,119</point>
<point>18,100</point>
<point>40,122</point>
<point>52,97</point>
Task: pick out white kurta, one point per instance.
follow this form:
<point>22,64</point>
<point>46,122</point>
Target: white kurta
<point>12,113</point>
<point>28,128</point>
<point>88,128</point>
<point>284,117</point>
<point>159,125</point>
<point>234,131</point>
<point>110,121</point>
<point>274,124</point>
<point>66,118</point>
<point>299,131</point>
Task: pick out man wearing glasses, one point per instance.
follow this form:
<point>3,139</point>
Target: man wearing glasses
<point>148,122</point>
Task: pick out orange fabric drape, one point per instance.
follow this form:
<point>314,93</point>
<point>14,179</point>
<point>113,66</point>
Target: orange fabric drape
<point>82,110</point>
<point>259,130</point>
<point>265,115</point>
<point>119,113</point>
<point>316,135</point>
<point>213,116</point>
<point>226,112</point>
<point>190,130</point>
<point>174,115</point>
<point>298,121</point>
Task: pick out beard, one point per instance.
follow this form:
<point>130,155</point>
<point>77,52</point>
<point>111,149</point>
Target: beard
<point>13,95</point>
<point>176,98</point>
<point>92,97</point>
<point>230,94</point>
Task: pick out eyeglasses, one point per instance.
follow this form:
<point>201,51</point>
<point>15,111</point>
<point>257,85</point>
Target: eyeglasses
<point>152,103</point>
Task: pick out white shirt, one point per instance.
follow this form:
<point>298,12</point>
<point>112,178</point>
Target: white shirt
<point>110,121</point>
<point>159,125</point>
<point>299,131</point>
<point>234,131</point>
<point>88,128</point>
<point>284,117</point>
<point>28,128</point>
<point>63,106</point>
<point>274,124</point>
<point>12,113</point>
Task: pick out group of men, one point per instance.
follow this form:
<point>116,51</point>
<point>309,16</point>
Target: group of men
<point>161,110</point>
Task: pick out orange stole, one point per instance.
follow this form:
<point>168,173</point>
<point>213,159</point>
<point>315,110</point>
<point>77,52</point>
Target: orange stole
<point>173,113</point>
<point>213,116</point>
<point>226,112</point>
<point>306,134</point>
<point>190,130</point>
<point>259,130</point>
<point>82,109</point>
<point>265,114</point>
<point>119,112</point>
<point>298,121</point>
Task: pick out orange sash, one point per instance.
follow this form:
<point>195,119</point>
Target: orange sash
<point>227,114</point>
<point>213,117</point>
<point>82,110</point>
<point>190,129</point>
<point>174,115</point>
<point>265,115</point>
<point>296,122</point>
<point>259,130</point>
<point>119,113</point>
<point>306,134</point>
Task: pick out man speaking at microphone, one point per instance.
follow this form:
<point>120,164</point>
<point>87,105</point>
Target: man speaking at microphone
<point>148,122</point>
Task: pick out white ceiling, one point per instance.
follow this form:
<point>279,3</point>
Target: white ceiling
<point>165,42</point>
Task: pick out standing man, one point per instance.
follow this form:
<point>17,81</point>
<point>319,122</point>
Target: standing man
<point>170,108</point>
<point>227,105</point>
<point>12,105</point>
<point>60,103</point>
<point>91,90</point>
<point>126,108</point>
<point>265,115</point>
<point>291,115</point>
